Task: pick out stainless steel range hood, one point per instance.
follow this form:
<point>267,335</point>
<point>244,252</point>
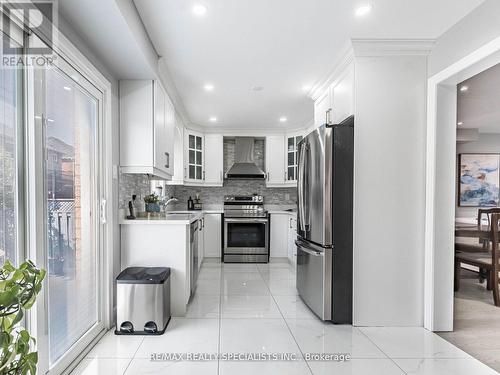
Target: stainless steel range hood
<point>244,167</point>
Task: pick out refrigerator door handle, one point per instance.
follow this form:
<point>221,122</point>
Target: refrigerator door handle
<point>300,192</point>
<point>309,250</point>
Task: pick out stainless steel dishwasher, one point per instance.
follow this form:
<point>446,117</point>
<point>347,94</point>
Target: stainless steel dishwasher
<point>194,254</point>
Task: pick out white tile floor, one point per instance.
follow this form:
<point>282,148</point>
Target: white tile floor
<point>255,309</point>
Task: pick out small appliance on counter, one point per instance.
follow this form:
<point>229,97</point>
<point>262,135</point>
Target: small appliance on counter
<point>195,204</point>
<point>198,205</point>
<point>246,230</point>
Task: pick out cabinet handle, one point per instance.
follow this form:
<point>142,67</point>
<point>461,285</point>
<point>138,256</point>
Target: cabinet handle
<point>168,160</point>
<point>285,176</point>
<point>185,172</point>
<point>268,176</point>
<point>203,175</point>
<point>221,175</point>
<point>290,225</point>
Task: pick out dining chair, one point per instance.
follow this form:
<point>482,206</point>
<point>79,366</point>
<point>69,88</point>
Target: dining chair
<point>487,260</point>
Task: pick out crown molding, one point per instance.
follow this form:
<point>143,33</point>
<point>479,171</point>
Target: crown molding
<point>392,47</point>
<point>336,74</point>
<point>226,131</point>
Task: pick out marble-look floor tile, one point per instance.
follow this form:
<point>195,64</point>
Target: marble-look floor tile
<point>208,287</point>
<point>147,367</point>
<point>411,342</point>
<point>282,287</point>
<point>245,287</point>
<point>444,367</point>
<point>293,307</point>
<point>101,366</point>
<point>256,336</point>
<point>264,368</point>
<point>356,367</point>
<point>183,336</point>
<point>249,306</point>
<point>203,306</point>
<point>315,336</point>
<point>116,346</point>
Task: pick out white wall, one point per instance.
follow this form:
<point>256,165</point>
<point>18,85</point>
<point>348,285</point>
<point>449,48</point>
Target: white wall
<point>389,196</point>
<point>476,29</point>
<point>487,143</point>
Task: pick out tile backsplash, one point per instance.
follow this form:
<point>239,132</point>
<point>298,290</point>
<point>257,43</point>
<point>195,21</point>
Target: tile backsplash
<point>140,185</point>
<point>215,195</point>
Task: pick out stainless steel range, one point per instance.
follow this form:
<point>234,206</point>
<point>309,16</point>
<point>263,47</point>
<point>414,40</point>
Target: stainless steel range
<point>246,230</point>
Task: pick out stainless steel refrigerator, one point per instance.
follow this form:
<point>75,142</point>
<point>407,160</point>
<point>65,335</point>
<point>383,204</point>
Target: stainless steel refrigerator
<point>325,220</point>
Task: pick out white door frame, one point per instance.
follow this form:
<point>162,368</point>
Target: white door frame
<point>440,213</point>
<point>36,320</point>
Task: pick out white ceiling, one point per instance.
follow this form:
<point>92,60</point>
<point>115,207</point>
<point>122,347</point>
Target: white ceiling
<point>479,106</point>
<point>100,24</point>
<point>280,45</point>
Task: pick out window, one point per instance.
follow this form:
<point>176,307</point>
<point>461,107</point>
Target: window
<point>10,149</point>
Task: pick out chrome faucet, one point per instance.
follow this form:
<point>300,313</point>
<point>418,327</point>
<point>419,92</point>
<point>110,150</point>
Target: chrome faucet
<point>166,203</point>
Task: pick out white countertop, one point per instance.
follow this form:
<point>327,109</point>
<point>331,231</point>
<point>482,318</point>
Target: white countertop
<point>172,218</point>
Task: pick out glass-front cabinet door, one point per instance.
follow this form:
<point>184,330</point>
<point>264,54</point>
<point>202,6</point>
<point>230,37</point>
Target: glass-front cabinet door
<point>194,170</point>
<point>292,158</point>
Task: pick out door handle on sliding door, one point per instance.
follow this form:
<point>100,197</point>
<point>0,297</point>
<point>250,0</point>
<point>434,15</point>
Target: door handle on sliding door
<point>103,211</point>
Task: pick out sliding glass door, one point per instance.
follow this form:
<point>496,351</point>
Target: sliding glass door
<point>11,151</point>
<point>68,109</point>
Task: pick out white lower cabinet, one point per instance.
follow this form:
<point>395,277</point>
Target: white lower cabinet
<point>212,235</point>
<point>278,247</point>
<point>292,236</point>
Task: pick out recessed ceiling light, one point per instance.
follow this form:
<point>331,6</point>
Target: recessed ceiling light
<point>306,87</point>
<point>67,88</point>
<point>199,10</point>
<point>363,10</point>
<point>209,87</point>
<point>464,88</point>
<point>283,119</point>
<point>257,88</point>
<point>213,119</point>
<point>460,123</point>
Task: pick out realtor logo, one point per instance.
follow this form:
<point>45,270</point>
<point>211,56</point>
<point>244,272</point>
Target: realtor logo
<point>38,16</point>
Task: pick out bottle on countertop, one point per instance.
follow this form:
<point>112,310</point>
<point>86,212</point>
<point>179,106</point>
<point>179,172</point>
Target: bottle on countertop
<point>190,204</point>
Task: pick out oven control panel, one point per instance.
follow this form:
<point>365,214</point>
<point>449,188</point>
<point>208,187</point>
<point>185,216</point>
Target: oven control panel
<point>244,199</point>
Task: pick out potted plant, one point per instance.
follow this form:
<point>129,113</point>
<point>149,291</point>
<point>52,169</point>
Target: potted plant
<point>152,202</point>
<point>18,290</point>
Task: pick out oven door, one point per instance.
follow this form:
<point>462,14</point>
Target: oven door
<point>246,236</point>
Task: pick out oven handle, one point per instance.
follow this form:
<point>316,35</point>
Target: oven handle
<point>264,221</point>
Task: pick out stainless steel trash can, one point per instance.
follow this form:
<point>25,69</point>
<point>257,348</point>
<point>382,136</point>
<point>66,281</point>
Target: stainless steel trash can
<point>143,301</point>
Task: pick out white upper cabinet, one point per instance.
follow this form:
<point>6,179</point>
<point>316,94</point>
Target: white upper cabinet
<point>275,163</point>
<point>337,101</point>
<point>214,160</point>
<point>194,158</point>
<point>170,130</point>
<point>146,136</point>
<point>291,158</point>
<point>179,170</point>
<point>322,106</point>
<point>343,97</point>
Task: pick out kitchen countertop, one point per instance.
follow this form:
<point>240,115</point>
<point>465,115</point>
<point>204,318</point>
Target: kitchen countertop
<point>172,218</point>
